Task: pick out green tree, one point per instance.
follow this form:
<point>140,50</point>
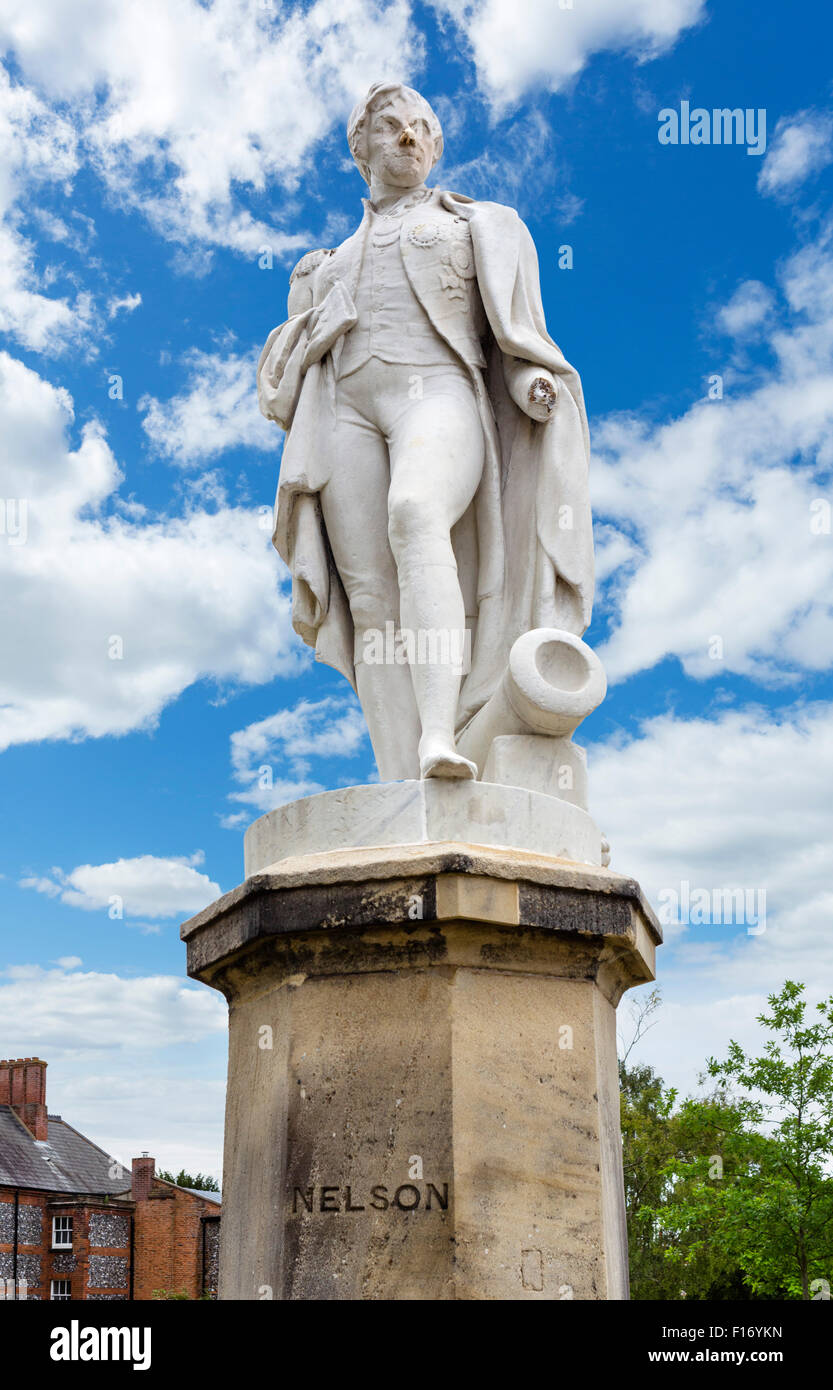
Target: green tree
<point>668,1259</point>
<point>654,1145</point>
<point>751,1175</point>
<point>647,1148</point>
<point>202,1181</point>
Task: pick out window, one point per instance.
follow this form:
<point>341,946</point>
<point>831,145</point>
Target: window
<point>62,1234</point>
<point>59,1288</point>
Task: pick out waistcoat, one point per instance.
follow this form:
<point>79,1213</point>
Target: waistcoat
<point>392,324</point>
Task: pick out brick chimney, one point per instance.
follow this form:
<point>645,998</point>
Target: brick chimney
<point>142,1178</point>
<point>23,1087</point>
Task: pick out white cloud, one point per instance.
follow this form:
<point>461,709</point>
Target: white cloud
<point>53,227</point>
<point>37,147</point>
<point>747,310</point>
<point>147,886</point>
<point>176,1116</point>
<point>128,302</point>
<point>727,564</point>
<point>271,758</point>
<point>801,145</point>
<point>522,44</point>
<point>112,614</point>
<point>57,1013</point>
<point>190,112</point>
<point>134,1063</point>
<point>511,169</point>
<point>43,885</point>
<point>741,800</point>
<point>217,411</point>
<point>743,796</point>
<point>215,96</point>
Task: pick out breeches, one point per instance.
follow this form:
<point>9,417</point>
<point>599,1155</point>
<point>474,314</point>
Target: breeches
<point>407,458</point>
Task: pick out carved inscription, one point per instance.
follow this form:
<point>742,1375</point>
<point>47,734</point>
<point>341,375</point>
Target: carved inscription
<point>407,1197</point>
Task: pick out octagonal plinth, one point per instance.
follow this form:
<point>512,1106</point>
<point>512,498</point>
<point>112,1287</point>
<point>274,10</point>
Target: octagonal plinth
<point>423,1098</point>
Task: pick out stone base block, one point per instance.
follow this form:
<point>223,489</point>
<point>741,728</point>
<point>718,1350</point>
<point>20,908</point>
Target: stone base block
<point>430,812</point>
<point>555,766</point>
<point>423,1099</point>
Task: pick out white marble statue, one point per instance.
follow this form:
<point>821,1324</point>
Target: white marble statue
<point>432,505</point>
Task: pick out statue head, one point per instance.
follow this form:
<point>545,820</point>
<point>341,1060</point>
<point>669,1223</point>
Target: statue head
<point>394,136</point>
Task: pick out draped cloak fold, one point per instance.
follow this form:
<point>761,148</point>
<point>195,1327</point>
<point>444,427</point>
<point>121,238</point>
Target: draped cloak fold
<point>524,549</point>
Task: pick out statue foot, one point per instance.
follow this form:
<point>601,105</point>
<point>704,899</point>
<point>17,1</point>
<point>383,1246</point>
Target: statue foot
<point>437,759</point>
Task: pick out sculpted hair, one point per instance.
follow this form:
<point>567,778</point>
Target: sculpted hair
<point>357,124</point>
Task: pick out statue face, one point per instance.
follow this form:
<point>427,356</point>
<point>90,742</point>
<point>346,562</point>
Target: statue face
<point>400,146</point>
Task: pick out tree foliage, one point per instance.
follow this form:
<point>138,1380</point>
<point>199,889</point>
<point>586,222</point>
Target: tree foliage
<point>731,1195</point>
<point>202,1181</point>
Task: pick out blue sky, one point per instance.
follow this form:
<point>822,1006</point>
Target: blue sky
<point>147,157</point>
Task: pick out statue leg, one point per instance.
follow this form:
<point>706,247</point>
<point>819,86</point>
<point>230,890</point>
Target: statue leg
<point>437,452</point>
<point>387,700</point>
<point>354,508</point>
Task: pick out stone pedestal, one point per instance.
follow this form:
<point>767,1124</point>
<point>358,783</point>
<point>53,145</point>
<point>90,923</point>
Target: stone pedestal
<point>422,1091</point>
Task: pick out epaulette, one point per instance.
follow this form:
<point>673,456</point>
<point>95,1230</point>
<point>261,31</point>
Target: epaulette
<point>310,262</point>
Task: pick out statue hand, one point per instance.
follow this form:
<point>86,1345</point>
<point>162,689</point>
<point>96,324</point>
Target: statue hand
<point>541,398</point>
<point>532,387</point>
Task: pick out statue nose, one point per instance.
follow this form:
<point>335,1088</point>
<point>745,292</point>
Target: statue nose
<point>407,137</point>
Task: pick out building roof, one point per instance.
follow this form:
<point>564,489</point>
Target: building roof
<point>65,1162</point>
<point>201,1192</point>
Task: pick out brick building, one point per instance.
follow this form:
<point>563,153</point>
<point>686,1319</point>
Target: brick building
<point>75,1224</point>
